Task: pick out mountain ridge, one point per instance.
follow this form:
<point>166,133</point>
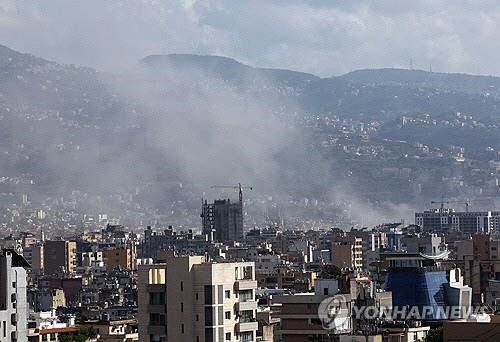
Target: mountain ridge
<point>58,121</point>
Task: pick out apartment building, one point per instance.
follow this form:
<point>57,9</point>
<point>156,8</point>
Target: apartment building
<point>123,257</point>
<point>13,303</point>
<point>347,253</point>
<point>190,299</point>
<point>59,255</point>
<point>443,220</point>
<point>300,319</point>
<point>34,256</point>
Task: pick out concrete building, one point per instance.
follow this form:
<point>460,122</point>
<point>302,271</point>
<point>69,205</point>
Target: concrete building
<point>59,255</point>
<point>479,256</point>
<point>45,326</point>
<point>92,259</point>
<point>114,330</point>
<point>123,257</point>
<point>299,314</point>
<point>429,244</point>
<point>189,299</point>
<point>34,257</point>
<point>155,242</point>
<point>46,299</point>
<point>13,303</point>
<point>443,220</point>
<point>347,253</point>
<point>471,331</point>
<point>222,220</point>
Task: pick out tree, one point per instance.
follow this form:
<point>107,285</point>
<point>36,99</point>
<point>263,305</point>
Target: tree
<point>83,334</point>
<point>435,335</point>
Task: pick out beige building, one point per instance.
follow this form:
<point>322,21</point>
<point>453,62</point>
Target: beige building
<point>189,299</point>
<point>300,314</point>
<point>123,257</point>
<point>348,254</point>
<point>59,254</point>
<point>471,331</point>
<point>47,299</point>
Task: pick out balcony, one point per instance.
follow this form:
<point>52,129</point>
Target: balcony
<point>156,308</point>
<point>157,329</point>
<point>244,306</point>
<point>246,326</point>
<point>245,284</point>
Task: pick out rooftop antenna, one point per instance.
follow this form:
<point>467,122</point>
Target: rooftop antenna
<point>430,67</point>
<point>411,63</point>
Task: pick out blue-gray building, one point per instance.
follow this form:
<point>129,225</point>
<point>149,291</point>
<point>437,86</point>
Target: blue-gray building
<point>420,281</point>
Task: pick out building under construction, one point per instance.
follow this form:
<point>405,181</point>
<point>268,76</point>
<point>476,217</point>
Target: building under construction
<point>223,220</point>
<point>444,220</point>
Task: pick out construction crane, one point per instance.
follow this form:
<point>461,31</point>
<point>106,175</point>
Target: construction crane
<point>238,187</point>
<point>442,202</point>
<point>466,202</point>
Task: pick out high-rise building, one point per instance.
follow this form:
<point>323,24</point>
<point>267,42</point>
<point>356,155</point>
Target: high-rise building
<point>189,299</point>
<point>443,220</point>
<point>346,250</point>
<point>59,255</point>
<point>34,257</point>
<point>223,220</point>
<point>13,303</point>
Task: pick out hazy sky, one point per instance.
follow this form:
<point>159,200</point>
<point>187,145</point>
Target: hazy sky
<point>325,37</point>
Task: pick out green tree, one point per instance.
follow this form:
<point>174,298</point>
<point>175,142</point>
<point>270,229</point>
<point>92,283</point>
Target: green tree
<point>81,335</point>
<point>435,335</point>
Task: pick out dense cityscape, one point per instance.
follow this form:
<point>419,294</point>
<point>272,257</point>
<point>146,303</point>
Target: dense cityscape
<point>438,277</point>
<point>249,171</point>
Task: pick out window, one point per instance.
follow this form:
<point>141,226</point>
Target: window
<point>209,316</point>
<point>228,336</point>
<point>228,315</point>
<point>52,337</point>
<point>197,317</point>
<point>182,286</point>
<point>325,291</point>
<point>227,293</point>
<point>246,295</point>
<point>156,319</point>
<point>182,307</point>
<point>209,334</point>
<point>196,296</point>
<point>156,298</point>
<point>208,294</point>
<point>246,336</point>
<point>246,316</point>
<point>44,337</point>
<point>182,328</point>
